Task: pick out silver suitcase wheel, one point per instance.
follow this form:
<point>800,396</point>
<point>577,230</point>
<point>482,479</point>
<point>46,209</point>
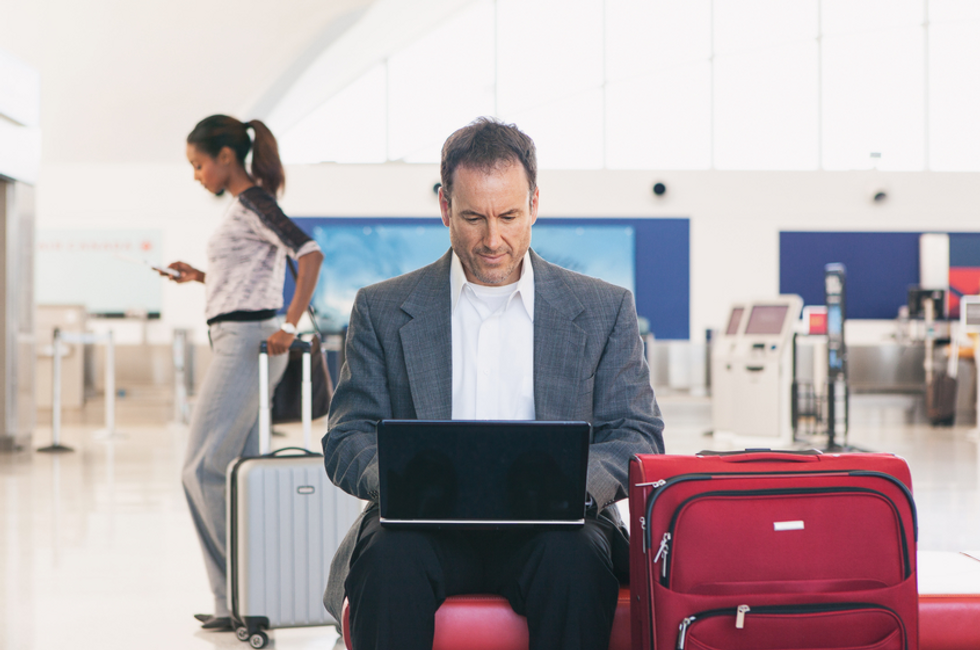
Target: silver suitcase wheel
<point>258,640</point>
<point>242,633</point>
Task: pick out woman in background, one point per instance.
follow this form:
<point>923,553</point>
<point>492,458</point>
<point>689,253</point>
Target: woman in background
<point>243,288</point>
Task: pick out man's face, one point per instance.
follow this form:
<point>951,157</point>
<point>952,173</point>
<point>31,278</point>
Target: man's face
<point>489,220</point>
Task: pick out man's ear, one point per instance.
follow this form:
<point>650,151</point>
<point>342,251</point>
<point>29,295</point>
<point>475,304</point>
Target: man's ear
<point>444,207</point>
<point>534,206</point>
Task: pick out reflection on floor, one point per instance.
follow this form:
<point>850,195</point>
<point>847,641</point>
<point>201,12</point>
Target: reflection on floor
<point>97,551</point>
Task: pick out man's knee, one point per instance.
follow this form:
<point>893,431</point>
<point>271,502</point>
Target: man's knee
<point>391,554</point>
<point>576,551</point>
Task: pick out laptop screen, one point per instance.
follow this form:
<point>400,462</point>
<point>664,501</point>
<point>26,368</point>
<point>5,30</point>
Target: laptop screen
<point>472,473</point>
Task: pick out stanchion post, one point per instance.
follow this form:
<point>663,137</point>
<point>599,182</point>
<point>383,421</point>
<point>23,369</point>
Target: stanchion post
<point>180,377</point>
<point>110,385</point>
<point>56,445</point>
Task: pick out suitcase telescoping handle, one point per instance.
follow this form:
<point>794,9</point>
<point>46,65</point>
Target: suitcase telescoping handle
<point>760,455</point>
<point>265,413</point>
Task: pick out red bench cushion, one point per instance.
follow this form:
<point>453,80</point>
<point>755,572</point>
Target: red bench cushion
<point>483,622</point>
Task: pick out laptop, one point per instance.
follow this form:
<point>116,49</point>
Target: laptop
<point>483,474</point>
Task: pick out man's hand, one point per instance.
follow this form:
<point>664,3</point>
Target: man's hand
<point>279,342</point>
<point>187,273</point>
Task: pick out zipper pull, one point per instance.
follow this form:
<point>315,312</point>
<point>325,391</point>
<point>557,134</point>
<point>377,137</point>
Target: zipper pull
<point>662,552</point>
<point>653,484</point>
<point>643,523</point>
<point>681,637</point>
<point>740,616</point>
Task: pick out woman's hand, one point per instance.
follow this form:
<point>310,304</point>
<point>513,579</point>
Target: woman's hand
<point>187,273</point>
<point>279,342</point>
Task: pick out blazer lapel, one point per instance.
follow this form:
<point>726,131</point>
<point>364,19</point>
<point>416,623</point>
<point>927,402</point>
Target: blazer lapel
<point>428,345</point>
<point>559,344</point>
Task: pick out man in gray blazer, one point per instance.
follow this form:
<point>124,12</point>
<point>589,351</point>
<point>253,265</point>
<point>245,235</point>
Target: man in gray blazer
<point>489,331</point>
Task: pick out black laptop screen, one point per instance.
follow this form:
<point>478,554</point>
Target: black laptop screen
<point>483,471</point>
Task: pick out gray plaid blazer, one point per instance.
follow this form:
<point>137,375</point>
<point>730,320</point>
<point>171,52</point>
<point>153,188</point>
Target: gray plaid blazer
<point>588,365</point>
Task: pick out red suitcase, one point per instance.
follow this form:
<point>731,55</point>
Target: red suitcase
<point>763,550</point>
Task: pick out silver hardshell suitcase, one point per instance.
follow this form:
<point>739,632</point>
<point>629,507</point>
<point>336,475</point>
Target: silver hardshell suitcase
<point>285,521</point>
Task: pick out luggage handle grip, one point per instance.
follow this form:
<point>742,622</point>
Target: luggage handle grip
<point>297,344</point>
<point>303,452</point>
<point>762,455</point>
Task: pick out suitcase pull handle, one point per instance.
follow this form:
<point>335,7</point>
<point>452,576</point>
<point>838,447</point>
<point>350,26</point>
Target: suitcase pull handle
<point>765,455</point>
<point>297,344</point>
<point>302,452</point>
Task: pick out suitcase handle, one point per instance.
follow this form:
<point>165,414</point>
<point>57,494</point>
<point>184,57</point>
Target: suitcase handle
<point>297,344</point>
<point>762,455</point>
<point>303,452</point>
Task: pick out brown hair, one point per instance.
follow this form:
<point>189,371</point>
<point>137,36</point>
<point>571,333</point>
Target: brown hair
<point>485,144</point>
<point>216,132</point>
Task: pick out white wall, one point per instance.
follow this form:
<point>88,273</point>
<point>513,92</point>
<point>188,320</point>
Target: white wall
<point>735,217</point>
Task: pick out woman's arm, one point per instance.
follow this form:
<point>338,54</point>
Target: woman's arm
<point>306,277</point>
<point>187,273</point>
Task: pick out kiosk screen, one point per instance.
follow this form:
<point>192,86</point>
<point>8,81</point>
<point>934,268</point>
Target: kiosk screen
<point>734,320</point>
<point>972,314</point>
<point>766,320</point>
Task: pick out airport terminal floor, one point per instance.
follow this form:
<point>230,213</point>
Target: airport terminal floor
<point>97,550</point>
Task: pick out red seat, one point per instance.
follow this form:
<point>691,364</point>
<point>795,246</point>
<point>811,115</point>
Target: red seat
<point>482,622</point>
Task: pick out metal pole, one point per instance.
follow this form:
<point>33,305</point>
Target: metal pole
<point>56,391</point>
<point>265,433</point>
<point>110,386</point>
<point>56,445</point>
<point>307,400</point>
<point>180,378</point>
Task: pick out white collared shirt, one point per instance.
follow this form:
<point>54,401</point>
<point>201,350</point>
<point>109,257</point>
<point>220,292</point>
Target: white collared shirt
<point>493,347</point>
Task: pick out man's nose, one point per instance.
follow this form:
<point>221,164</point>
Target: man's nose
<point>493,240</point>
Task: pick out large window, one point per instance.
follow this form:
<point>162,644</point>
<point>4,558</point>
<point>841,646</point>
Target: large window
<point>674,84</point>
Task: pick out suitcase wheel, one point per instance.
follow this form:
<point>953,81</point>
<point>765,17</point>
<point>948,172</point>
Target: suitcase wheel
<point>242,633</point>
<point>258,640</point>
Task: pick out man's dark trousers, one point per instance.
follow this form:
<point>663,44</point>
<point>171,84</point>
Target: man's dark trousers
<point>561,580</point>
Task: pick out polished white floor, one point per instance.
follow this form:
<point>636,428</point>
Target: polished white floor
<point>97,549</point>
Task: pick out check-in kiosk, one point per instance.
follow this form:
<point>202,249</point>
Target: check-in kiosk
<point>723,371</point>
<point>762,373</point>
<point>970,324</point>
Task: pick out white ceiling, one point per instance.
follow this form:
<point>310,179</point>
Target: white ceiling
<point>125,81</point>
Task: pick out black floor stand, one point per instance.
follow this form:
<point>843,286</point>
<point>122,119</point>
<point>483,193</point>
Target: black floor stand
<point>55,449</point>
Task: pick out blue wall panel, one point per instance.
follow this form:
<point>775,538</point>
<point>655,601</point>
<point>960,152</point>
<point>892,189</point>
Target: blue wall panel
<point>880,268</point>
<point>662,263</point>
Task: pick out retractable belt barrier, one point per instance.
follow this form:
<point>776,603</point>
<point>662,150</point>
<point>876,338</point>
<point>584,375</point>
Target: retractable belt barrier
<point>81,338</point>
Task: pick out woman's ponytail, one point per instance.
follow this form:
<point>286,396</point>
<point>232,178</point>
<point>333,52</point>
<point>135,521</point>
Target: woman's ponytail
<point>214,133</point>
<point>266,165</point>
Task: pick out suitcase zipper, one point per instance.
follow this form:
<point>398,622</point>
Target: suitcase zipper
<point>665,544</point>
<point>740,612</point>
<point>662,552</point>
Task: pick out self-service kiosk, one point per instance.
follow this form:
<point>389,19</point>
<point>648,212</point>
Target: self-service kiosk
<point>970,324</point>
<point>723,369</point>
<point>761,375</point>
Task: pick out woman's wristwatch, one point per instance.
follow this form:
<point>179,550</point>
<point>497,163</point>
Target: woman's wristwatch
<point>288,328</point>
